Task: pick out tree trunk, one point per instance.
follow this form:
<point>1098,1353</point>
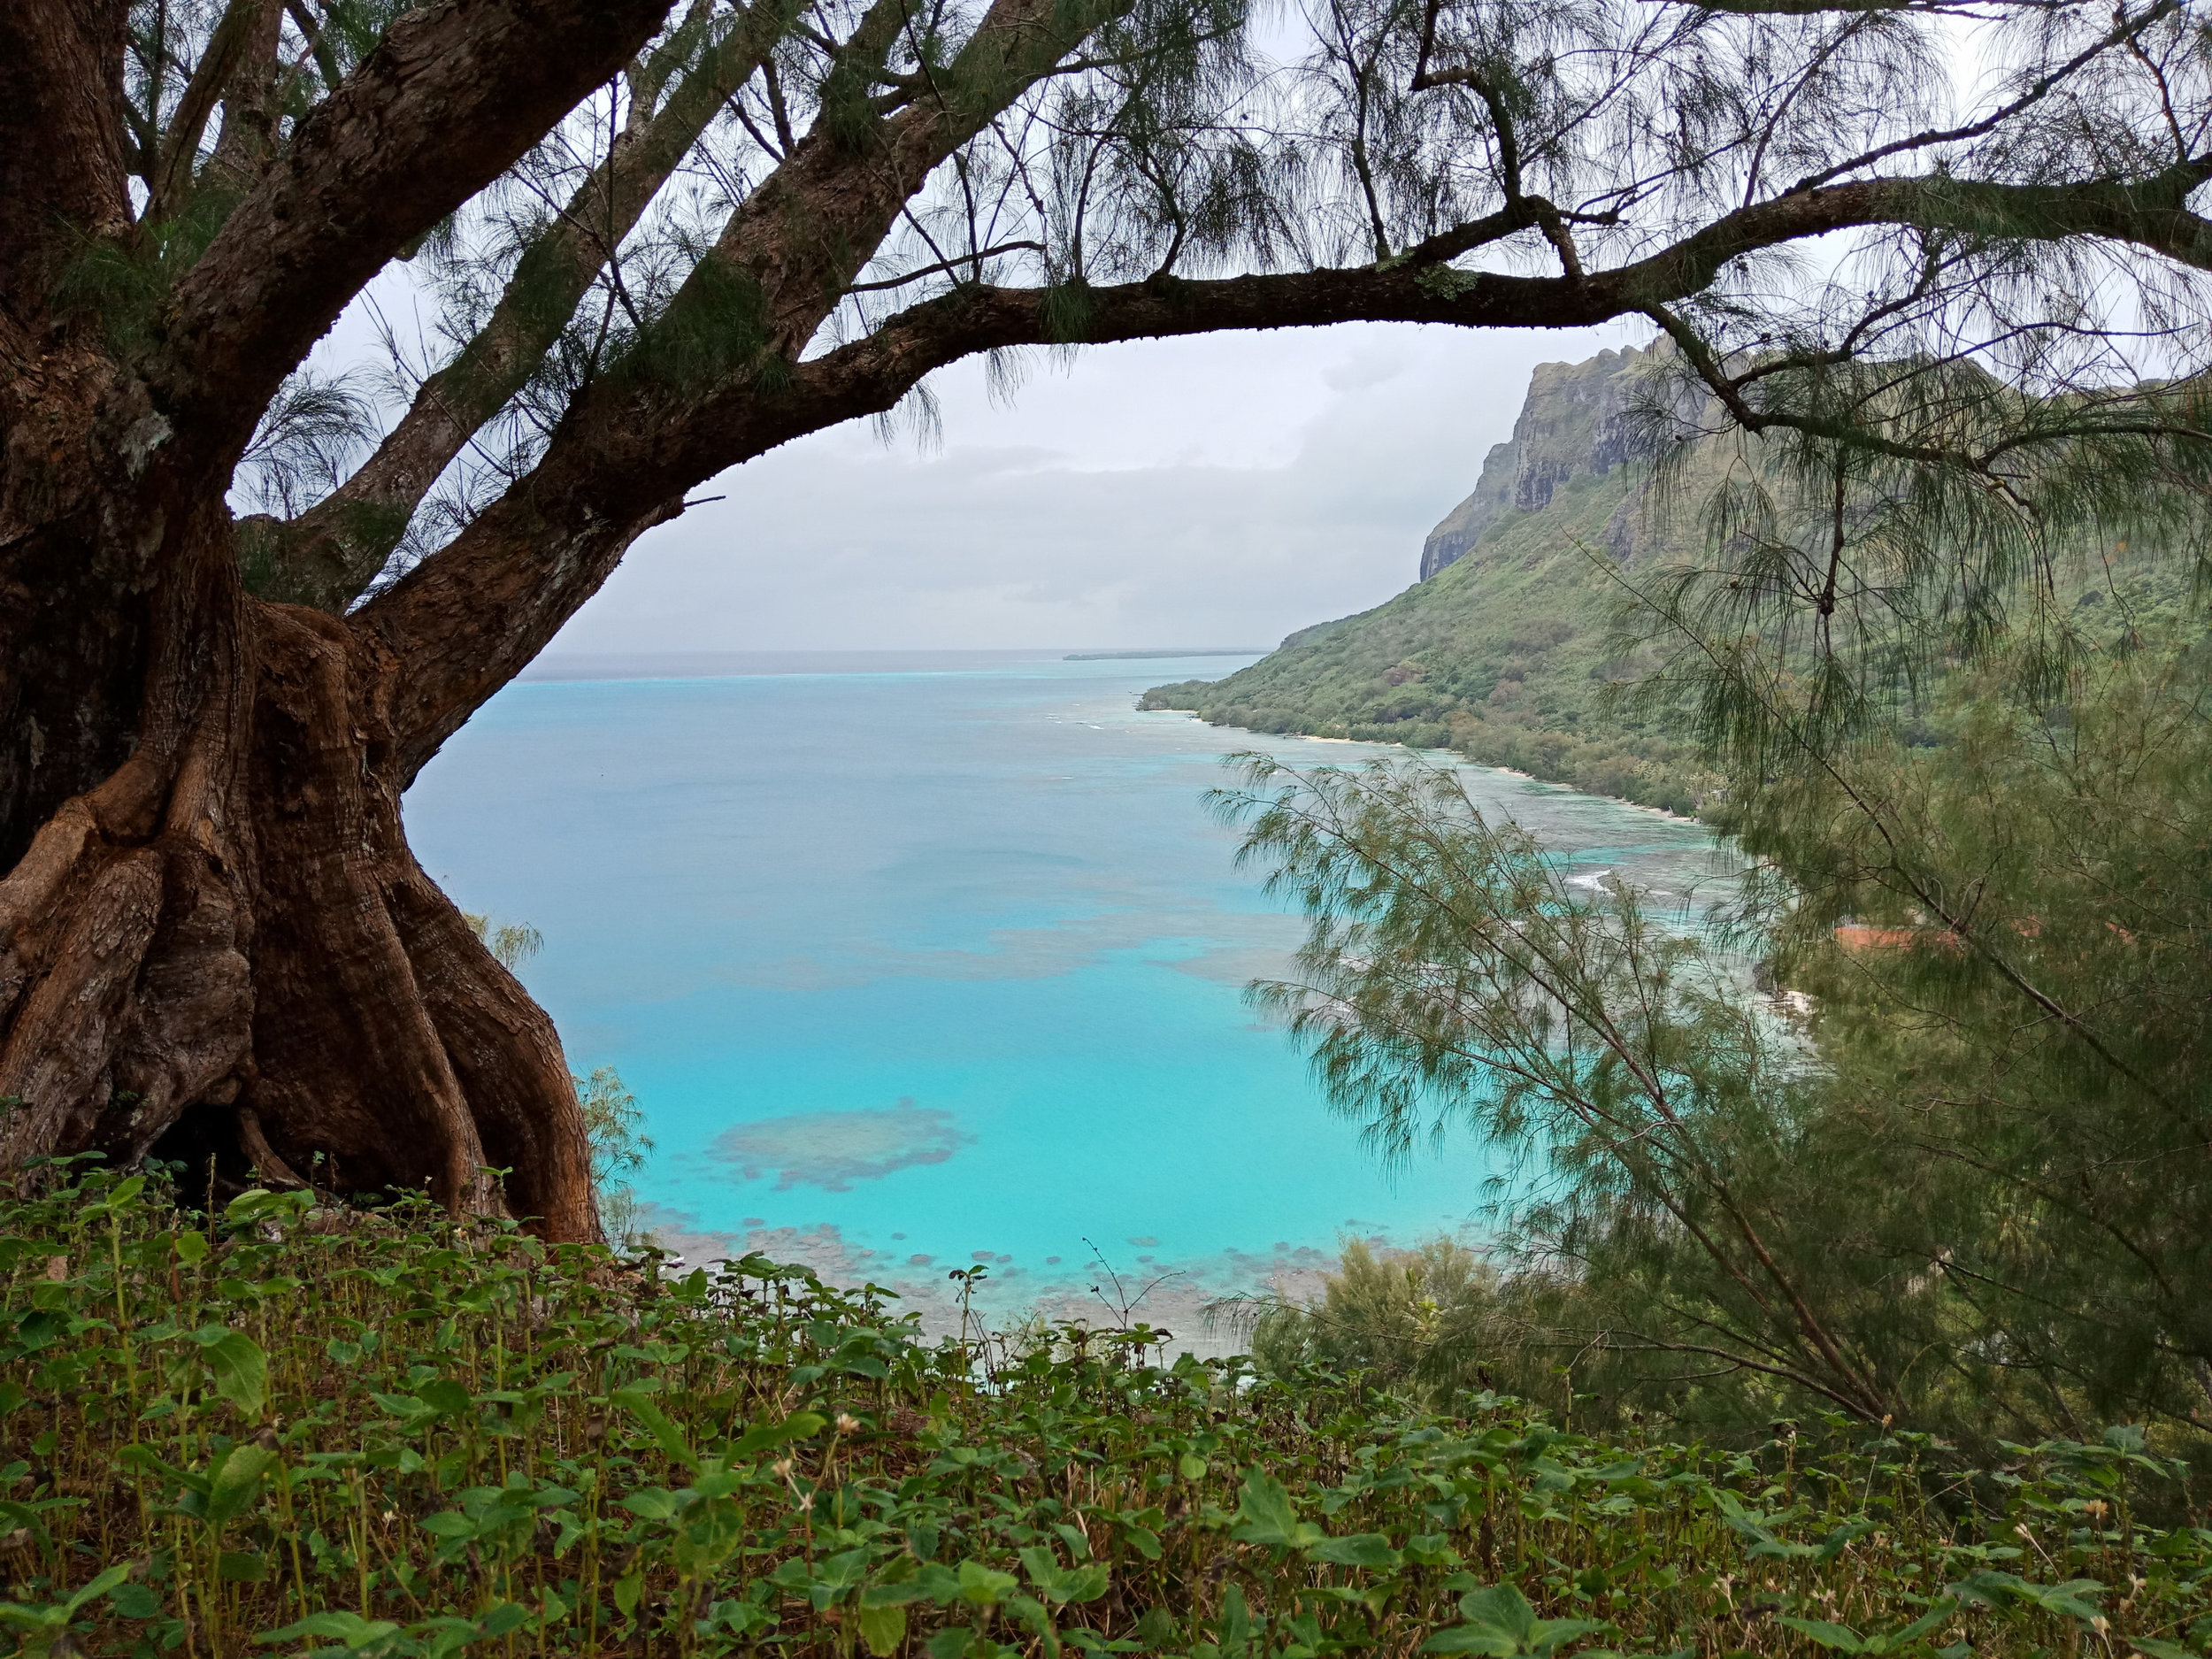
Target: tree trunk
<point>214,941</point>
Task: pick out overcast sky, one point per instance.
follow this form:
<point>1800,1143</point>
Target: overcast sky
<point>1218,491</point>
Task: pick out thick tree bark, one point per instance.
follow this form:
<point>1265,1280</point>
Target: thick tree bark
<point>225,946</point>
<point>213,934</point>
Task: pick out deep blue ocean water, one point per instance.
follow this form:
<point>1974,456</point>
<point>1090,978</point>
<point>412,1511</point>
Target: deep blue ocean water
<point>940,957</point>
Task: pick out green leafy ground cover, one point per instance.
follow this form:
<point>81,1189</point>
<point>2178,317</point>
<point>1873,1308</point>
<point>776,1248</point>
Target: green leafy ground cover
<point>283,1428</point>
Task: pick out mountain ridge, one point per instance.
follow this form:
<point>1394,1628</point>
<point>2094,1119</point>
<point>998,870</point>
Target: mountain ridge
<point>1502,651</point>
<point>1574,420</point>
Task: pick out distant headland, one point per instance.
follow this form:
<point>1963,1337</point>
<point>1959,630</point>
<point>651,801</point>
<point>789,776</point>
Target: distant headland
<point>1202,651</point>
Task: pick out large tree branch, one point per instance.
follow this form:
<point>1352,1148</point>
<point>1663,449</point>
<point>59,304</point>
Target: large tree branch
<point>795,243</point>
<point>793,249</point>
<point>330,553</point>
<point>472,616</point>
<point>63,154</point>
<point>455,92</point>
<point>215,77</point>
<point>799,240</point>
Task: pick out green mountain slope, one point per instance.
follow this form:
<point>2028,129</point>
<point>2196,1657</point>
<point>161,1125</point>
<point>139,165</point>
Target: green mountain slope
<point>1501,654</point>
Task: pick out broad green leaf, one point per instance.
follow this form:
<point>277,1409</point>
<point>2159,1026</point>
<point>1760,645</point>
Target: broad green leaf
<point>1155,1631</point>
<point>1502,1608</point>
<point>1547,1635</point>
<point>101,1586</point>
<point>1943,1610</point>
<point>1236,1617</point>
<point>798,1426</point>
<point>250,1204</point>
<point>1360,1549</point>
<point>25,1517</point>
<point>985,1586</point>
<point>1263,1508</point>
<point>1473,1638</point>
<point>241,1370</point>
<point>2074,1598</point>
<point>899,1595</point>
<point>1083,1584</point>
<point>665,1434</point>
<point>2007,1589</point>
<point>1265,1516</point>
<point>47,1626</point>
<point>1843,1638</point>
<point>939,1583</point>
<point>234,1482</point>
<point>134,1600</point>
<point>1060,1585</point>
<point>241,1566</point>
<point>627,1589</point>
<point>883,1629</point>
<point>445,1396</point>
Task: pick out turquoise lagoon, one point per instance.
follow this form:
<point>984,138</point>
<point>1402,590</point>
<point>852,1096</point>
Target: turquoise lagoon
<point>920,962</point>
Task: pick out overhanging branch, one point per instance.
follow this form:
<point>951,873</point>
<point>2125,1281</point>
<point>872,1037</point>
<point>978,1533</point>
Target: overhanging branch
<point>453,95</point>
<point>472,615</point>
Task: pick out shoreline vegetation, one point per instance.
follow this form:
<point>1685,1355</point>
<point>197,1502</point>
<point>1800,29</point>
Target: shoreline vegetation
<point>1505,651</point>
<point>1513,672</point>
<point>1455,755</point>
<point>467,1441</point>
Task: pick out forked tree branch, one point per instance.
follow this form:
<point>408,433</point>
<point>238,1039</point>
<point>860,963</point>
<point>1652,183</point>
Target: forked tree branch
<point>331,553</point>
<point>448,101</point>
<point>212,77</point>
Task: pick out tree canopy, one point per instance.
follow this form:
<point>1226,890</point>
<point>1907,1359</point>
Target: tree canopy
<point>1947,252</point>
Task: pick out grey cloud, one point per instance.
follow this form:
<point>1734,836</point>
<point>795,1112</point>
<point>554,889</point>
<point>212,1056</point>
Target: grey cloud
<point>1227,490</point>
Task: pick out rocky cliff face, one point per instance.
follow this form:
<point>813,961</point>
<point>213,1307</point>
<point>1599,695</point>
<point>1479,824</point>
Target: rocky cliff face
<point>1506,649</point>
<point>1576,421</point>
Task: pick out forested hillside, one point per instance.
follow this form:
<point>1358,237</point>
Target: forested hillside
<point>1509,649</point>
<point>1502,651</point>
